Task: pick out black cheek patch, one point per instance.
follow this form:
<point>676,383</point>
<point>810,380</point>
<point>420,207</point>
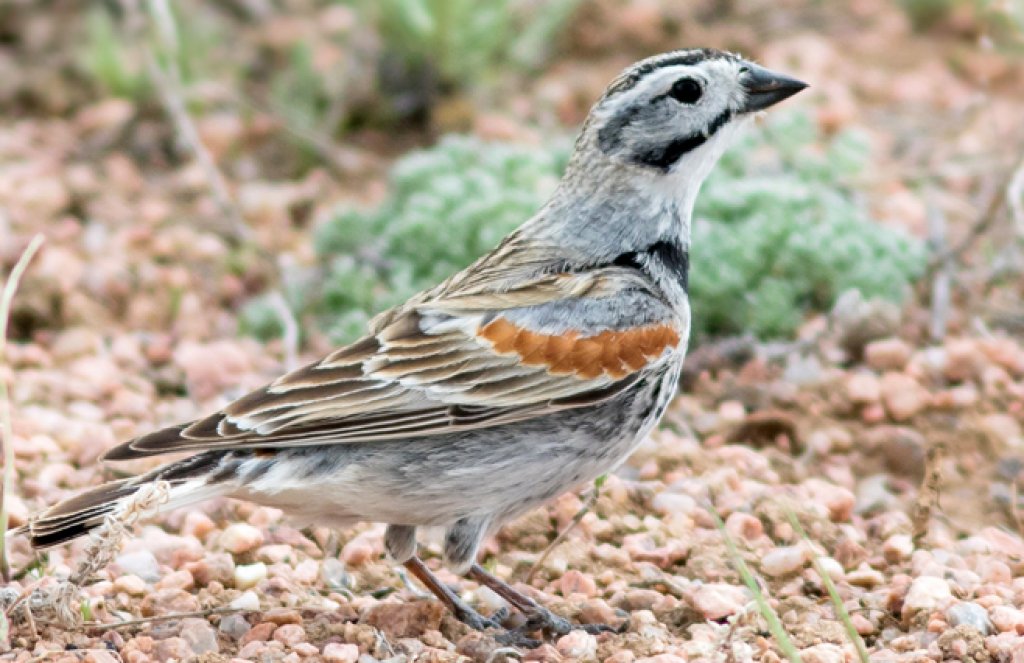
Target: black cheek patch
<point>663,157</point>
<point>609,137</point>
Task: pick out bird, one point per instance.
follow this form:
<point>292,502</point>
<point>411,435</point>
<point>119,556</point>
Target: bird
<point>539,367</point>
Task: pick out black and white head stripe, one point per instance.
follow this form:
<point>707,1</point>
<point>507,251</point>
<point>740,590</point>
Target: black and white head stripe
<point>629,78</point>
<point>668,106</point>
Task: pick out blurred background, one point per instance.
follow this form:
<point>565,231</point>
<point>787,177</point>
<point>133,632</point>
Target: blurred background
<point>226,188</point>
<point>199,167</point>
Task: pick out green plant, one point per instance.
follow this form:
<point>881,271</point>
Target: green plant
<point>1000,20</point>
<point>446,206</point>
<point>107,59</point>
<point>833,592</point>
<point>462,40</point>
<point>777,232</point>
<point>111,54</point>
<point>771,617</point>
<point>924,14</point>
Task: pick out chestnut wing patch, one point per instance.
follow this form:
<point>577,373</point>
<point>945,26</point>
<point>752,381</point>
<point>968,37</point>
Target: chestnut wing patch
<point>612,353</point>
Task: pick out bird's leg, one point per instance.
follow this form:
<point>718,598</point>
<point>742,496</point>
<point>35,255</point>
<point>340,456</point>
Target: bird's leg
<point>537,616</point>
<point>450,599</point>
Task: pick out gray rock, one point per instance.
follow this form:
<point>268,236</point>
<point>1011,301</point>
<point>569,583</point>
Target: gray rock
<point>805,371</point>
<point>970,614</point>
<point>200,636</point>
<point>141,563</point>
<point>873,495</point>
<point>334,575</point>
<point>234,626</point>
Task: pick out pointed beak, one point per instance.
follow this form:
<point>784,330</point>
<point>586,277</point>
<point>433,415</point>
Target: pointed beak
<point>766,88</point>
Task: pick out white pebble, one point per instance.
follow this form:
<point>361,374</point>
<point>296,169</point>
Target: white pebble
<point>927,593</point>
<point>577,644</point>
<point>240,537</point>
<point>971,614</point>
<point>784,560</point>
<point>823,653</point>
<point>249,575</point>
<point>897,548</point>
<point>341,653</point>
<point>865,576</point>
<point>247,600</point>
<point>141,563</point>
<point>130,584</point>
<point>832,568</point>
<point>666,503</point>
<point>489,599</point>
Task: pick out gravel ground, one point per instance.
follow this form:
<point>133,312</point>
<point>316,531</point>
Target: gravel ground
<point>900,457</point>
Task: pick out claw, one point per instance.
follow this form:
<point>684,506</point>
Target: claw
<point>514,638</point>
<point>543,619</point>
<point>475,620</point>
<point>547,621</point>
<point>596,629</point>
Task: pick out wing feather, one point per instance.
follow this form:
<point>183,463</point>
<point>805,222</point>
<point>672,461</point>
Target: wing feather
<point>444,362</point>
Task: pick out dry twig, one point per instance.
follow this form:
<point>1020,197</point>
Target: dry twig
<point>223,610</point>
<point>167,80</point>
<point>943,273</point>
<point>6,429</point>
<point>59,598</point>
<point>588,504</point>
<point>984,222</point>
<point>928,494</point>
<point>1015,197</point>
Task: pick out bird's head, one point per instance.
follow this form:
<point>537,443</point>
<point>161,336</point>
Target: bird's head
<point>646,147</point>
<point>675,112</point>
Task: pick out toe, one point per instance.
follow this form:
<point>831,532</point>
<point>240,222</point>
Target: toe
<point>515,638</point>
<point>595,629</point>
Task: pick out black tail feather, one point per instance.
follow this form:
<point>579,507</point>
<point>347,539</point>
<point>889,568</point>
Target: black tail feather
<point>82,513</point>
<point>75,517</point>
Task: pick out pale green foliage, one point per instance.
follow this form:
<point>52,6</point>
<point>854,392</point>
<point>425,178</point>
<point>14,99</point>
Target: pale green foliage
<point>463,39</point>
<point>117,65</point>
<point>447,206</point>
<point>777,231</point>
<point>107,59</point>
<point>296,91</point>
<point>1001,20</point>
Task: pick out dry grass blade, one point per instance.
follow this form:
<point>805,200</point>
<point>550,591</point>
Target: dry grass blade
<point>769,614</point>
<point>997,201</point>
<point>163,618</point>
<point>6,430</point>
<point>942,280</point>
<point>584,510</point>
<point>833,593</point>
<point>928,494</point>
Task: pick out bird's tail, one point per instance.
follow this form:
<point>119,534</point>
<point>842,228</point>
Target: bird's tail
<point>185,482</point>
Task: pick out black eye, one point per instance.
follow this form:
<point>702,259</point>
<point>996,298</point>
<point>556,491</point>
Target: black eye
<point>685,91</point>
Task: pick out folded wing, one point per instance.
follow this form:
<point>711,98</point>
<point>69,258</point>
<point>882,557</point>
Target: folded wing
<point>452,362</point>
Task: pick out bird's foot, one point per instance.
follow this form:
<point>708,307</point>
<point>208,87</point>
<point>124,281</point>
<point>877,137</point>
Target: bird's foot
<point>516,638</point>
<point>542,619</point>
<point>476,621</point>
<point>505,637</point>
